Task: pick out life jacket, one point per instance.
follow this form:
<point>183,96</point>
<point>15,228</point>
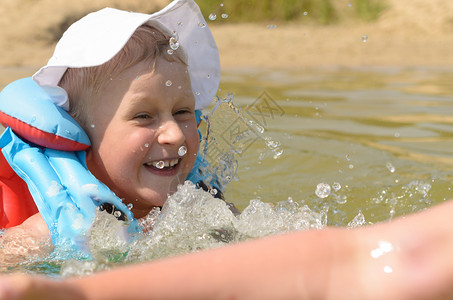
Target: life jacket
<point>16,202</point>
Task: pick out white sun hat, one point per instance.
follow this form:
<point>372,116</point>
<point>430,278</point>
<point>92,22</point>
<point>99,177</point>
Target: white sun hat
<point>99,36</point>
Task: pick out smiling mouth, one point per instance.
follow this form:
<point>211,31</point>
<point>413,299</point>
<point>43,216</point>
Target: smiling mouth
<point>163,164</point>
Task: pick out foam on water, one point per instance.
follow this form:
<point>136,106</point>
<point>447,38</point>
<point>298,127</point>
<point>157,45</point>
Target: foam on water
<point>191,220</point>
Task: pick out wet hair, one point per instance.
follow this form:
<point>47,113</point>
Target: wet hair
<point>146,44</point>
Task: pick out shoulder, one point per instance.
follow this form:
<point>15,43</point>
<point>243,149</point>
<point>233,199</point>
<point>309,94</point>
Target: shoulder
<point>34,227</point>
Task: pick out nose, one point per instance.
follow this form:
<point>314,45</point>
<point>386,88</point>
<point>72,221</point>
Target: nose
<point>170,133</point>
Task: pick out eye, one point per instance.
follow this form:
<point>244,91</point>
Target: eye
<point>142,116</point>
<point>183,111</point>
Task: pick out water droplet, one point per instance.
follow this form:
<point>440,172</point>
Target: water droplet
<point>213,191</point>
<point>197,93</point>
<point>160,164</point>
<point>342,200</point>
<point>390,167</point>
<point>277,153</point>
<point>168,83</point>
<point>256,126</point>
<point>224,16</point>
<point>180,23</point>
<point>146,145</point>
<point>322,190</point>
<point>117,213</point>
<point>92,125</point>
<point>272,26</point>
<point>174,44</point>
<point>351,166</point>
<point>182,150</point>
<point>202,25</point>
<point>305,13</point>
<point>54,189</point>
<point>212,17</point>
<point>169,51</point>
<point>221,4</point>
<point>130,206</point>
<point>384,247</point>
<point>364,38</point>
<point>358,220</point>
<point>336,186</point>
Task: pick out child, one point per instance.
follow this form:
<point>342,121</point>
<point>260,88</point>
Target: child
<point>134,83</point>
<point>405,259</point>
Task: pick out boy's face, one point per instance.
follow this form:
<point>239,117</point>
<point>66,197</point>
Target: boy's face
<point>143,117</point>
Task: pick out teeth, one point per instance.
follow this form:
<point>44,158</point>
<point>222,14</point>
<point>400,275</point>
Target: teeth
<point>160,164</point>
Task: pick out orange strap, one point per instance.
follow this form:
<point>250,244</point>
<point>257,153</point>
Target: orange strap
<point>16,202</point>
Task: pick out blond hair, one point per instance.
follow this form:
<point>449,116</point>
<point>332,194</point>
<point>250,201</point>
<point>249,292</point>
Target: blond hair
<point>146,44</point>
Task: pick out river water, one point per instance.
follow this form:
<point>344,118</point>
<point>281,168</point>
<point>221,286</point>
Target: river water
<point>302,149</point>
<point>383,135</point>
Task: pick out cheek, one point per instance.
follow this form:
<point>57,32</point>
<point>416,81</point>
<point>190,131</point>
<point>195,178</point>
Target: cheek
<point>192,139</point>
<point>117,150</point>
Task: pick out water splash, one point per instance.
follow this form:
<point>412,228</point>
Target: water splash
<point>190,220</point>
<point>358,221</point>
<point>241,134</point>
<point>411,197</point>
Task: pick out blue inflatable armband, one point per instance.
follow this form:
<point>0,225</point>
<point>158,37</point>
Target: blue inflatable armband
<point>52,162</point>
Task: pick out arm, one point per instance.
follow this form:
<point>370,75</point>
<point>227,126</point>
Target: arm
<point>324,264</point>
<point>31,238</point>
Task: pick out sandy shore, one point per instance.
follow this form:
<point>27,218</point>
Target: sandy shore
<point>296,46</point>
<point>409,33</point>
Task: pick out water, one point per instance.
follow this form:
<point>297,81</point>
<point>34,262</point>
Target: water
<point>299,150</point>
<point>383,135</point>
